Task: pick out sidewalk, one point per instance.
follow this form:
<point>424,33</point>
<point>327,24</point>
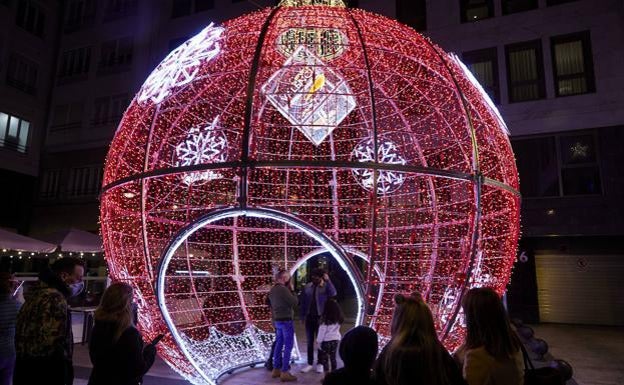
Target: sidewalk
<point>159,374</point>
<point>595,353</point>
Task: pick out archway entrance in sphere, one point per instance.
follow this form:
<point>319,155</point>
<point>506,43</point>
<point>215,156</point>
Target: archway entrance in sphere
<point>214,276</point>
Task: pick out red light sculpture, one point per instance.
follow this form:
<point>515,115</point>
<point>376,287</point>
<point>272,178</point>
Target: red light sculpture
<point>294,131</point>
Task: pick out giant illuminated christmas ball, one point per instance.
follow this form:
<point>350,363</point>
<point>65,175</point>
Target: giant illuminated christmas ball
<point>304,129</point>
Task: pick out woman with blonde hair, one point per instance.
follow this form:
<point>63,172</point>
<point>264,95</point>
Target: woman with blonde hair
<point>414,354</point>
<point>492,352</point>
<point>116,349</point>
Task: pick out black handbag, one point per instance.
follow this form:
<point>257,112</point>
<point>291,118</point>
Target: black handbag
<point>541,376</point>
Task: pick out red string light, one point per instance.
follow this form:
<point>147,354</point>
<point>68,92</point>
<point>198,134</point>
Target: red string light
<point>440,175</point>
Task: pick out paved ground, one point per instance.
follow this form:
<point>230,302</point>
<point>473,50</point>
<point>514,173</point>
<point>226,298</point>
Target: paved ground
<point>595,353</point>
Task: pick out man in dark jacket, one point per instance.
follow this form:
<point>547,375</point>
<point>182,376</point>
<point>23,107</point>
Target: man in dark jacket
<point>283,303</point>
<point>43,335</point>
<point>311,305</point>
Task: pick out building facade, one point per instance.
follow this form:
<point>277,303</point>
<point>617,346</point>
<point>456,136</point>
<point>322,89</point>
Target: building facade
<point>107,49</point>
<point>28,41</point>
<point>554,69</point>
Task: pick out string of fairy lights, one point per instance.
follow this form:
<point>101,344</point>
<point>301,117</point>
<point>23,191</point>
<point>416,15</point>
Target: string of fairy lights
<point>25,255</point>
<point>292,130</point>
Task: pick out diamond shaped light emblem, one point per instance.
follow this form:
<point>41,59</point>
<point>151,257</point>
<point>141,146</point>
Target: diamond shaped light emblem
<point>311,95</point>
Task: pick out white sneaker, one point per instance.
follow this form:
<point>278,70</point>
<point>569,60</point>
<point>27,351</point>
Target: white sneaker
<point>320,369</point>
<point>306,368</point>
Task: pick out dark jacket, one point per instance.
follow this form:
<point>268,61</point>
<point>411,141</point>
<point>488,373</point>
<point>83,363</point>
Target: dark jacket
<point>344,376</point>
<point>123,362</point>
<point>358,349</point>
<point>282,303</point>
<point>43,334</point>
<point>9,307</point>
<point>323,293</point>
<point>43,327</point>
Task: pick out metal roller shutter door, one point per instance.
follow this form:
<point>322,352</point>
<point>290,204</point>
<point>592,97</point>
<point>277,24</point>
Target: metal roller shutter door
<point>587,289</point>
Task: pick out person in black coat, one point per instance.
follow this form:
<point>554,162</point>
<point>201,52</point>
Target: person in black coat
<point>358,349</point>
<point>116,349</point>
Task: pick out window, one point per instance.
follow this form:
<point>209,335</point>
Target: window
<point>525,71</point>
<point>580,174</point>
<point>117,9</point>
<point>572,64</point>
<point>412,13</point>
<point>74,63</point>
<point>537,166</point>
<point>186,7</point>
<point>557,2</point>
<point>30,17</point>
<point>109,109</point>
<point>14,132</point>
<point>22,74</point>
<point>473,10</point>
<point>67,116</point>
<point>116,55</point>
<point>513,6</point>
<point>84,181</point>
<point>484,66</point>
<point>180,8</point>
<point>50,183</point>
<point>203,5</point>
<point>558,165</point>
<point>79,13</point>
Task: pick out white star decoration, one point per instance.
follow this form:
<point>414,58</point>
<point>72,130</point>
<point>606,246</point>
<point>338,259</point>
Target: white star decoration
<point>182,65</point>
<point>388,153</point>
<point>202,146</point>
<point>579,150</point>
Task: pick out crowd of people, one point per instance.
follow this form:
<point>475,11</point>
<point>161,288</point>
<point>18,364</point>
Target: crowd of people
<point>490,355</point>
<point>36,339</point>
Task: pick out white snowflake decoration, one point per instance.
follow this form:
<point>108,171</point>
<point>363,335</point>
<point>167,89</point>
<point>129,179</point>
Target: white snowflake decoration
<point>181,65</point>
<point>478,278</point>
<point>388,153</point>
<point>447,304</point>
<point>202,146</point>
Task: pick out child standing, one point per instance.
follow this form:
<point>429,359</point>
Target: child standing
<point>329,335</point>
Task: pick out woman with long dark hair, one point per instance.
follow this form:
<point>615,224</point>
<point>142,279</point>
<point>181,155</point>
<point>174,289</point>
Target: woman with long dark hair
<point>414,354</point>
<point>117,351</point>
<point>492,352</point>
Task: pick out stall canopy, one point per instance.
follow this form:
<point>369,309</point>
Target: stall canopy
<point>12,241</point>
<point>74,240</point>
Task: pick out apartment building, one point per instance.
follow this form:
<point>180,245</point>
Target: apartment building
<point>27,51</point>
<point>554,68</point>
